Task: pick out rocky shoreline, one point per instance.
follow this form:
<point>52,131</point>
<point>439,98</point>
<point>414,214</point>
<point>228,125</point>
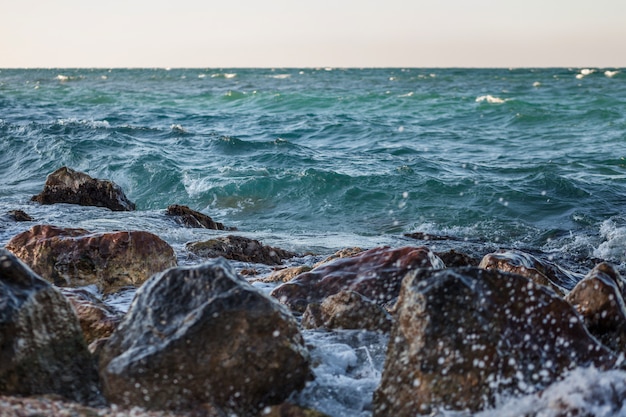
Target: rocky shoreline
<point>201,340</point>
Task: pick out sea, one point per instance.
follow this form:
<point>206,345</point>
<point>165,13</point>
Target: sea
<point>314,160</point>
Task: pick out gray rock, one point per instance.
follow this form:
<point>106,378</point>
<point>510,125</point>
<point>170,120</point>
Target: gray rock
<point>41,344</point>
<point>204,335</point>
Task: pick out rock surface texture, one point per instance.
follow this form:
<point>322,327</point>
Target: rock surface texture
<point>239,248</point>
<point>204,335</point>
<point>376,274</point>
<point>68,186</point>
<point>42,350</point>
<point>192,218</point>
<point>76,257</point>
<point>463,336</point>
<point>97,319</point>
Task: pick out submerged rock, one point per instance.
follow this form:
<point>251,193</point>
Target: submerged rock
<point>42,346</point>
<point>463,337</point>
<point>542,272</point>
<point>347,310</point>
<point>76,257</point>
<point>598,298</point>
<point>375,274</point>
<point>192,218</point>
<point>204,335</point>
<point>68,186</point>
<point>239,248</point>
<point>20,216</point>
<point>97,319</point>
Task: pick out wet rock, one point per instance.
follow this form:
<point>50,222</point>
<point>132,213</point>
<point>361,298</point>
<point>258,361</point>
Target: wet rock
<point>20,216</point>
<point>598,298</point>
<point>97,320</point>
<point>428,236</point>
<point>286,274</point>
<point>347,310</point>
<point>340,254</point>
<point>542,272</point>
<point>41,344</point>
<point>239,248</point>
<point>68,186</point>
<point>204,335</point>
<point>76,257</point>
<point>464,336</point>
<point>454,259</point>
<point>194,219</point>
<point>375,274</point>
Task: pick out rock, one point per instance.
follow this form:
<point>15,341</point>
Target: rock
<point>41,344</point>
<point>598,298</point>
<point>463,337</point>
<point>343,253</point>
<point>286,274</point>
<point>20,216</point>
<point>347,310</point>
<point>68,186</point>
<point>375,274</point>
<point>97,320</point>
<point>428,236</point>
<point>76,257</point>
<point>204,335</point>
<point>192,218</point>
<point>239,248</point>
<point>540,271</point>
<point>454,259</point>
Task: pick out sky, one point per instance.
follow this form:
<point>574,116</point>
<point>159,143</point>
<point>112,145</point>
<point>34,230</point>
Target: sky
<point>313,33</point>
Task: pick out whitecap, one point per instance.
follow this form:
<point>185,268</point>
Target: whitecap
<point>610,74</point>
<point>587,71</point>
<point>280,76</point>
<point>536,84</point>
<point>614,246</point>
<point>177,128</point>
<point>62,77</point>
<point>230,75</point>
<point>96,124</point>
<point>490,99</point>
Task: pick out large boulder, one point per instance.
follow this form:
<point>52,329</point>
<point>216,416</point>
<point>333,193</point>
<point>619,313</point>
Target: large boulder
<point>541,271</point>
<point>599,300</point>
<point>76,257</point>
<point>192,218</point>
<point>376,274</point>
<point>68,186</point>
<point>239,248</point>
<point>204,335</point>
<point>463,337</point>
<point>42,349</point>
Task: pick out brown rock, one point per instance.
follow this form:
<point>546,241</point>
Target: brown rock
<point>347,310</point>
<point>68,186</point>
<point>76,257</point>
<point>542,272</point>
<point>41,345</point>
<point>192,218</point>
<point>454,259</point>
<point>375,274</point>
<point>204,335</point>
<point>97,320</point>
<point>286,274</point>
<point>239,248</point>
<point>20,216</point>
<point>464,336</point>
<point>340,254</point>
<point>598,298</point>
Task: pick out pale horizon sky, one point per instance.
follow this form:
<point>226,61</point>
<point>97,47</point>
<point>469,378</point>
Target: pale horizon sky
<point>337,33</point>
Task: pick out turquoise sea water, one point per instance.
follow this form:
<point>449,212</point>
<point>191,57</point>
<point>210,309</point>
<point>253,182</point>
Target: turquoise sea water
<point>521,157</point>
<point>314,160</point>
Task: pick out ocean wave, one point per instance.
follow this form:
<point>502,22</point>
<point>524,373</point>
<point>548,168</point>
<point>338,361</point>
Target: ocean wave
<point>491,99</point>
<point>610,74</point>
<point>613,232</point>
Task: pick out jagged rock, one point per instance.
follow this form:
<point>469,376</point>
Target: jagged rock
<point>97,319</point>
<point>68,186</point>
<point>204,335</point>
<point>464,336</point>
<point>286,274</point>
<point>347,310</point>
<point>20,216</point>
<point>542,272</point>
<point>454,259</point>
<point>42,349</point>
<point>76,257</point>
<point>192,218</point>
<point>239,248</point>
<point>343,253</point>
<point>376,274</point>
<point>598,298</point>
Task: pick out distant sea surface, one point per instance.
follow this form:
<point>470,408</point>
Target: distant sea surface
<point>314,160</point>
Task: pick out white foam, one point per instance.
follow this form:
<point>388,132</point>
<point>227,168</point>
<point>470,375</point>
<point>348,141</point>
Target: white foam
<point>490,99</point>
<point>611,74</point>
<point>89,123</point>
<point>613,249</point>
<point>280,76</point>
<point>62,78</point>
